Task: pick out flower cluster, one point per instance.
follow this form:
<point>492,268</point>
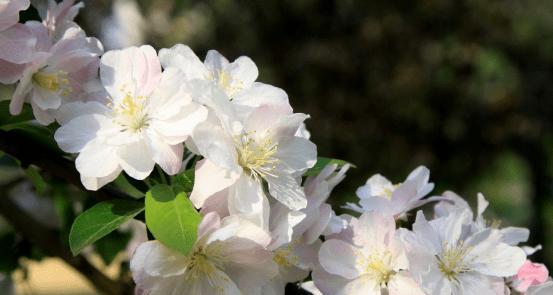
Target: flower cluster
<point>265,220</point>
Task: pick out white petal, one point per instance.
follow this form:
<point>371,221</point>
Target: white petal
<point>97,159</point>
<point>374,230</point>
<point>246,199</point>
<point>339,258</point>
<point>361,286</point>
<point>402,283</point>
<point>214,144</point>
<point>260,94</point>
<point>243,71</point>
<point>296,155</point>
<point>136,159</point>
<point>183,58</point>
<point>77,133</point>
<point>158,260</point>
<point>95,183</point>
<point>209,179</point>
<point>168,157</point>
<point>215,62</point>
<point>285,188</point>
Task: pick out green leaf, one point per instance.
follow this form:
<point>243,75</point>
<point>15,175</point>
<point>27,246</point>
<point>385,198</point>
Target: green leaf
<point>7,121</point>
<point>322,162</point>
<point>109,246</point>
<point>184,181</point>
<point>100,220</point>
<point>122,183</point>
<point>172,218</point>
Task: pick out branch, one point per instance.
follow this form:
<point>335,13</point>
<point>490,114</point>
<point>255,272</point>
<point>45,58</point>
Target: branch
<point>49,240</point>
<point>28,152</point>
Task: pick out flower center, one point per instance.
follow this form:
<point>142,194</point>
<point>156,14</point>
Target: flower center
<point>54,81</point>
<point>225,81</point>
<point>257,157</point>
<point>377,266</point>
<point>451,262</point>
<point>387,191</point>
<point>284,256</point>
<point>206,262</point>
<point>131,112</point>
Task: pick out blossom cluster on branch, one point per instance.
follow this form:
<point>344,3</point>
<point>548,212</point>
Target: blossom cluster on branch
<point>239,204</point>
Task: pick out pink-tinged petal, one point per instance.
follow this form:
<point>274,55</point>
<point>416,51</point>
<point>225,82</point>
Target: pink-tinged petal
<point>210,222</point>
<point>40,33</point>
<point>260,94</point>
<point>9,12</point>
<point>530,274</point>
<point>10,72</point>
<point>182,57</point>
<point>95,183</point>
<point>209,179</point>
<point>313,233</point>
<point>136,159</point>
<point>374,229</point>
<point>73,39</point>
<point>135,71</point>
<point>97,159</point>
<point>327,282</point>
<point>157,260</point>
<point>168,157</point>
<point>21,92</point>
<point>267,117</point>
<point>247,199</point>
<point>343,264</point>
<point>17,44</point>
<point>217,203</point>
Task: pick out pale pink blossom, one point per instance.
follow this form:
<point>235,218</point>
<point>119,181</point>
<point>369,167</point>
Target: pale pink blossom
<point>381,195</point>
<point>530,274</point>
<point>58,73</point>
<point>373,263</point>
<point>229,257</point>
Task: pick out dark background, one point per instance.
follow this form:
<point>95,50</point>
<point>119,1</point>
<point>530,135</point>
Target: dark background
<point>463,87</point>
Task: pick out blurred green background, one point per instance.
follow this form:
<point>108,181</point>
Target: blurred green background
<point>463,87</point>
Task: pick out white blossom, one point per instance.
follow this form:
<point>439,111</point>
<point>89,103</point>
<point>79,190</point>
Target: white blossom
<point>445,257</point>
<point>143,122</point>
<point>229,257</point>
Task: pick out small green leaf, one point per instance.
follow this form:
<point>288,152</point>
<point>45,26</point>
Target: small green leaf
<point>172,218</point>
<point>184,181</point>
<point>322,162</point>
<point>100,220</point>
